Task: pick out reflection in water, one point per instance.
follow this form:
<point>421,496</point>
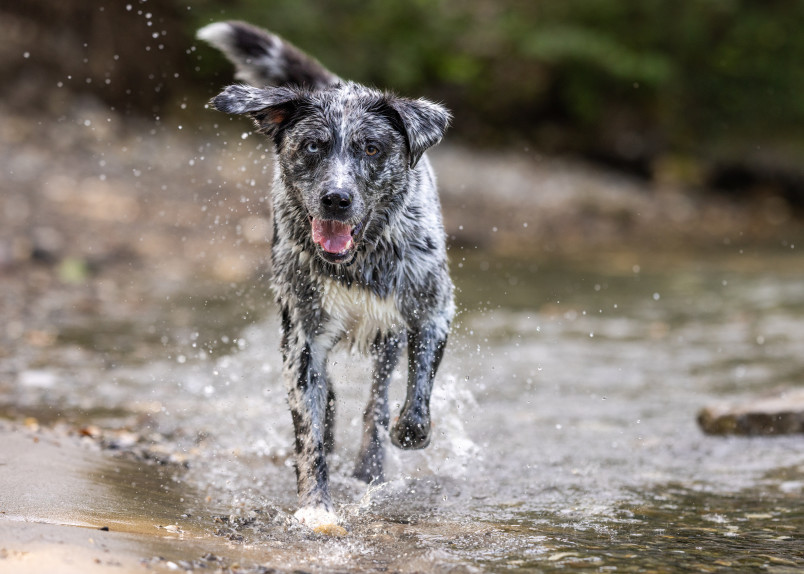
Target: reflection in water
<point>565,425</point>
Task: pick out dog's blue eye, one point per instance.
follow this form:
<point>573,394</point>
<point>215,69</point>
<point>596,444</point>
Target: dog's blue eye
<point>372,149</point>
<point>312,147</point>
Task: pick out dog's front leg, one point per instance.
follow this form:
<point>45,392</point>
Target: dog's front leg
<point>308,397</point>
<point>425,349</point>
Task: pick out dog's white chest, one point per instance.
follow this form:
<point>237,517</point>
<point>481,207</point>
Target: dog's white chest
<point>358,315</point>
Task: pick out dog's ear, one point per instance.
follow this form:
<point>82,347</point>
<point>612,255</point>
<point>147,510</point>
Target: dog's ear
<point>423,123</point>
<point>271,108</point>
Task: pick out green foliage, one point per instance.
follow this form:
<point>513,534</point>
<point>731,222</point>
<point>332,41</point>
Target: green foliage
<point>682,76</point>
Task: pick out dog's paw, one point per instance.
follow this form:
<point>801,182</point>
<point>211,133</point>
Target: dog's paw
<point>320,520</point>
<point>411,432</point>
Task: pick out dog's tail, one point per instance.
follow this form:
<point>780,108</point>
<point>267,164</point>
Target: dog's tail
<point>264,59</point>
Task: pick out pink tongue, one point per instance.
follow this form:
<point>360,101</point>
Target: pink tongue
<point>332,236</point>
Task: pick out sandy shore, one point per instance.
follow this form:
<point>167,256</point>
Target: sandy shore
<point>62,509</point>
<point>67,506</point>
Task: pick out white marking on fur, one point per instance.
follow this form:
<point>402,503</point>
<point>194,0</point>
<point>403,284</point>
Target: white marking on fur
<point>218,34</point>
<point>341,169</point>
<point>359,314</point>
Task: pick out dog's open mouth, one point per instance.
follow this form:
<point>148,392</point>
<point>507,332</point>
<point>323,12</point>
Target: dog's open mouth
<point>335,238</point>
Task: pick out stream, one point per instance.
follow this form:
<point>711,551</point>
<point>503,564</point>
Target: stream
<point>565,434</point>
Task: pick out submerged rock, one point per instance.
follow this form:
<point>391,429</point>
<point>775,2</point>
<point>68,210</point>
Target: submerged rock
<point>777,414</point>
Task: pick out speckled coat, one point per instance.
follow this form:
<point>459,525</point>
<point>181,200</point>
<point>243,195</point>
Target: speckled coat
<point>389,287</point>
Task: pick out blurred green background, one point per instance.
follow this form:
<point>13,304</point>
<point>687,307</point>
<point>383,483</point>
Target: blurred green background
<point>704,93</point>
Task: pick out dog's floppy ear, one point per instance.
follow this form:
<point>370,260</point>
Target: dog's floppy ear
<point>271,108</point>
<point>423,122</point>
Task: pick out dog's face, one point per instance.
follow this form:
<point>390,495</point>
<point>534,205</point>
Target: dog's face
<point>345,154</point>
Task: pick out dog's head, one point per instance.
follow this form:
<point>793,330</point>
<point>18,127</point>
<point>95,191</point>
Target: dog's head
<point>346,153</point>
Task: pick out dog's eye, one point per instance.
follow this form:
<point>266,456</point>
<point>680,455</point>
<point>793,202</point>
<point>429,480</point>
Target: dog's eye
<point>312,147</point>
<point>372,149</point>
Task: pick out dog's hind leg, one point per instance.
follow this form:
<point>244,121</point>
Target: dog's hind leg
<point>425,350</point>
<point>371,458</point>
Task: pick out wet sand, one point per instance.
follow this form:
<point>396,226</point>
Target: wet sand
<point>60,512</point>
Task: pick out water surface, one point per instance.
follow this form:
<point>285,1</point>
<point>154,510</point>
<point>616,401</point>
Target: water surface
<point>565,433</point>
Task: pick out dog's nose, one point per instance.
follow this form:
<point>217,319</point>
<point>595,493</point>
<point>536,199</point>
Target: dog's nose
<point>336,202</point>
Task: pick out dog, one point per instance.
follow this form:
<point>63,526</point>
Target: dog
<point>359,248</point>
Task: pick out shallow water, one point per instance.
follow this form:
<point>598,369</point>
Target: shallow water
<point>565,433</point>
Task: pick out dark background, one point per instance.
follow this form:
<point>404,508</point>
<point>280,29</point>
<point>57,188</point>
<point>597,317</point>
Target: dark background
<point>704,94</point>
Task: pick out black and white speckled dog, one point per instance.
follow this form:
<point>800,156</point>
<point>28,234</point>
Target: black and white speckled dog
<point>358,247</point>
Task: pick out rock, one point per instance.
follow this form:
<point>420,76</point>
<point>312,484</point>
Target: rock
<point>777,414</point>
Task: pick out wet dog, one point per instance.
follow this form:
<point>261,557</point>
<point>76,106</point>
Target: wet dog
<point>358,250</point>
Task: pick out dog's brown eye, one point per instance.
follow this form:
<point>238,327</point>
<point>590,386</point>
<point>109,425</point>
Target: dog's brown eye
<point>372,150</point>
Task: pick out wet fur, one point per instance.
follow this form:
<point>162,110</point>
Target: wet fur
<point>391,289</point>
